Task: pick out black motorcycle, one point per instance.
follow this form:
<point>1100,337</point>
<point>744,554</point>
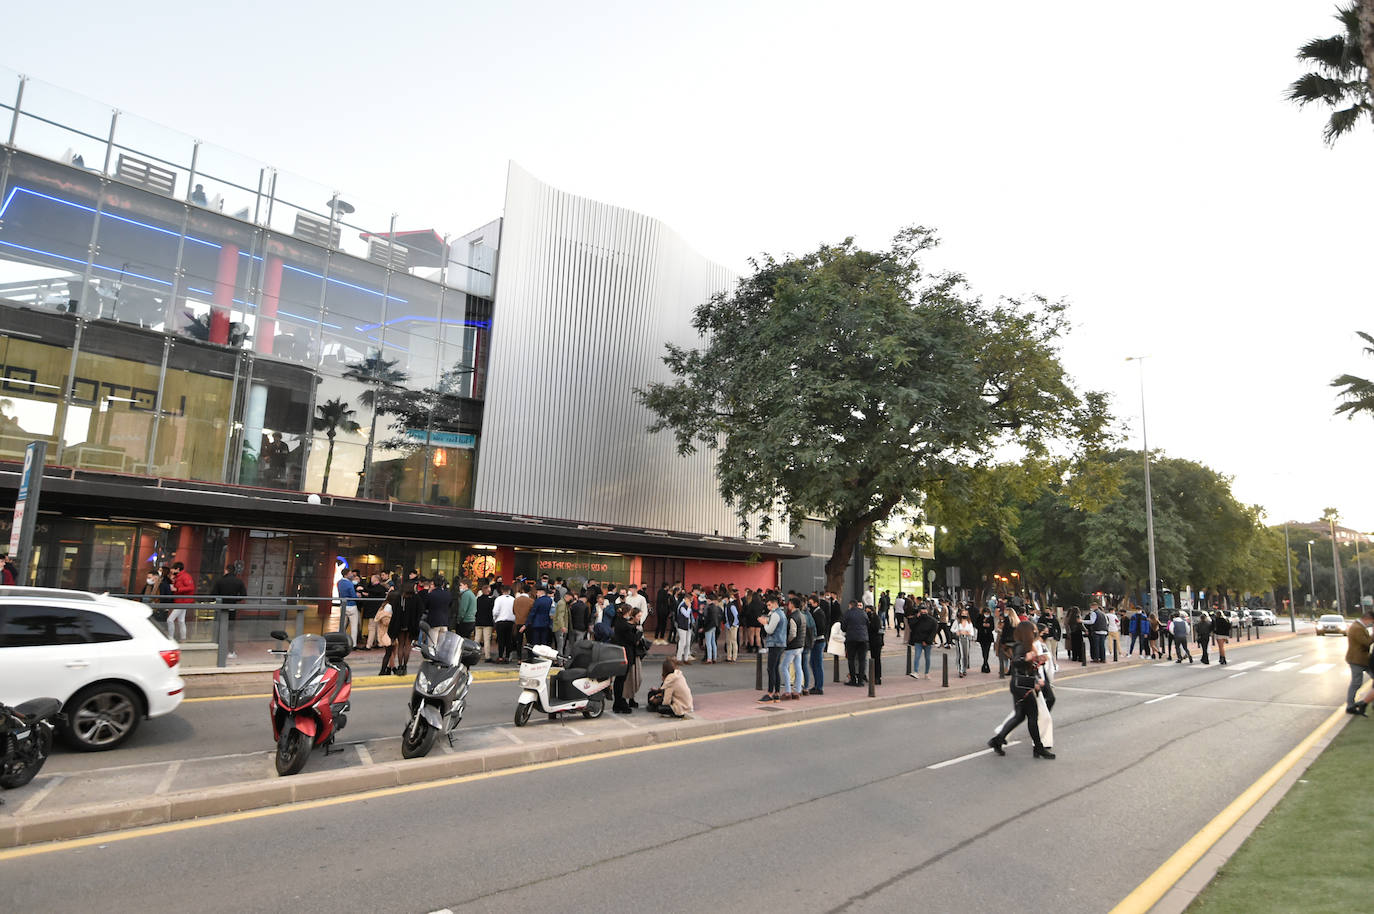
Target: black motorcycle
<point>26,732</point>
<point>440,695</point>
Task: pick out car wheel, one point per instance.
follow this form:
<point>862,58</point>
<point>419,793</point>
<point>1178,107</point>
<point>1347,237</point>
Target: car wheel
<point>102,717</point>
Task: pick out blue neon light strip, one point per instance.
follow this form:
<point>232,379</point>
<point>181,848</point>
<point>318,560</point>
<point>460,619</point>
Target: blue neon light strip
<point>340,282</point>
<point>109,215</point>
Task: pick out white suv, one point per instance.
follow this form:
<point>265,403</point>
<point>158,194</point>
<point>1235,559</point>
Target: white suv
<point>100,656</point>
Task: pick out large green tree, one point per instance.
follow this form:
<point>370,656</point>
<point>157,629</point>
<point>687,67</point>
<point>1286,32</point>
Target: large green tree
<point>842,383</point>
<point>1340,77</point>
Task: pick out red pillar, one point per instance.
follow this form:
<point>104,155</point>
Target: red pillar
<point>226,281</point>
<point>267,312</point>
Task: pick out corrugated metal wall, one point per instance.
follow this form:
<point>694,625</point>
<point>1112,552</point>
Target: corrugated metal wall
<point>587,295</point>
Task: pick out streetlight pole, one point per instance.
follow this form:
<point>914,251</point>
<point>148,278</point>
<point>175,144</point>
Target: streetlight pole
<point>1288,563</point>
<point>1149,498</point>
<point>1335,565</point>
<point>1311,575</point>
<point>1359,571</point>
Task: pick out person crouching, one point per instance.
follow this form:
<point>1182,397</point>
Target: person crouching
<point>673,698</point>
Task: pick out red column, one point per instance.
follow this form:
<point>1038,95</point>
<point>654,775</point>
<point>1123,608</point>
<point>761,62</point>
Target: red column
<point>505,564</point>
<point>267,312</point>
<point>226,281</point>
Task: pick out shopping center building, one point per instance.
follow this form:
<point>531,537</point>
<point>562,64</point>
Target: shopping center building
<point>204,343</point>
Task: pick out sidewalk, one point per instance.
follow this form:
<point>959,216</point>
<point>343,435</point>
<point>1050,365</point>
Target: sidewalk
<point>60,806</point>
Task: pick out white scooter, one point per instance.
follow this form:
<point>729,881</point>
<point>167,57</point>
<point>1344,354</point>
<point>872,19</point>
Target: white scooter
<point>582,682</point>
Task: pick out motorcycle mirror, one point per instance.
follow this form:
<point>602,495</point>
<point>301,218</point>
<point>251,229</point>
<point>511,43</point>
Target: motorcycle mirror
<point>279,635</point>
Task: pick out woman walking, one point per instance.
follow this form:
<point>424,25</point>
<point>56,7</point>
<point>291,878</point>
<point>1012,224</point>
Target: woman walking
<point>1025,685</point>
<point>963,641</point>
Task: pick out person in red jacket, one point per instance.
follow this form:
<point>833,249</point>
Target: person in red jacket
<point>182,587</point>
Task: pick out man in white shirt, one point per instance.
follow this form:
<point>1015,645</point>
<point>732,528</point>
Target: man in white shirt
<point>641,605</point>
<point>1114,632</point>
<point>503,615</point>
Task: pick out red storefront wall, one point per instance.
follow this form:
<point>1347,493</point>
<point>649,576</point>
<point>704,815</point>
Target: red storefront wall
<point>741,574</point>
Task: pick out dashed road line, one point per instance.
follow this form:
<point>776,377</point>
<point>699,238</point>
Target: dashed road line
<point>971,755</point>
<point>1235,675</point>
<point>1162,698</point>
<point>1317,669</point>
<point>1280,668</point>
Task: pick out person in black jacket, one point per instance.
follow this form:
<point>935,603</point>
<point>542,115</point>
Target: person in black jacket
<point>816,655</point>
<point>230,590</point>
<point>663,611</point>
<point>1221,632</point>
<point>1025,683</point>
<point>875,644</point>
<point>579,617</point>
<point>987,633</point>
<point>627,636</point>
<point>923,630</point>
<point>855,624</point>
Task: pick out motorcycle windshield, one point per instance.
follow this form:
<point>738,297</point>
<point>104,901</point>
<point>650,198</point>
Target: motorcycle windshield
<point>304,658</point>
<point>446,649</point>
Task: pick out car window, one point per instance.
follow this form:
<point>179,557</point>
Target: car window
<point>34,626</point>
<point>102,628</point>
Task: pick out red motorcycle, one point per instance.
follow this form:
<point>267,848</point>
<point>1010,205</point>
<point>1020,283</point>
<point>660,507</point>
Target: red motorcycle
<point>309,696</point>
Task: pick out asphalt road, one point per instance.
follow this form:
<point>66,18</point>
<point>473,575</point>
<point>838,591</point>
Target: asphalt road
<point>205,728</point>
<point>840,814</point>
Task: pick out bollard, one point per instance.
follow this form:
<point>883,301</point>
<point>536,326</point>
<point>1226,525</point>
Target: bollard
<point>1083,655</point>
<point>758,671</point>
<point>836,677</point>
<point>944,670</point>
<point>872,671</point>
<point>909,668</point>
<point>222,637</point>
<point>1115,658</point>
<point>300,621</point>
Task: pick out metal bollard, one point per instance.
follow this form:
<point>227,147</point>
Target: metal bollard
<point>836,677</point>
<point>872,671</point>
<point>1084,655</point>
<point>758,671</point>
<point>1115,658</point>
<point>222,638</point>
<point>909,668</point>
<point>944,670</point>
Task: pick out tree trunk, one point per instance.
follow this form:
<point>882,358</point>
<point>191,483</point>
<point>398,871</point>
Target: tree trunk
<point>328,459</point>
<point>847,536</point>
<point>1365,15</point>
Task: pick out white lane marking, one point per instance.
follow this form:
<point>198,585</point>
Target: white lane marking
<point>1248,664</point>
<point>1162,698</point>
<point>965,758</point>
<point>165,784</point>
<point>1234,675</point>
<point>1286,659</point>
<point>510,735</point>
<point>1060,688</point>
<point>441,911</point>
<point>1280,668</point>
<point>363,755</point>
<point>1317,669</point>
<point>1165,663</point>
<point>573,730</point>
<point>40,795</point>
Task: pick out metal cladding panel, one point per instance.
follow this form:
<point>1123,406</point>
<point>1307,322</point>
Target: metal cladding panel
<point>587,295</point>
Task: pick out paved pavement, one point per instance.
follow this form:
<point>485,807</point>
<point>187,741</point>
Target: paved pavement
<point>884,811</point>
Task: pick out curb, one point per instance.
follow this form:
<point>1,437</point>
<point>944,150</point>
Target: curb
<point>98,818</point>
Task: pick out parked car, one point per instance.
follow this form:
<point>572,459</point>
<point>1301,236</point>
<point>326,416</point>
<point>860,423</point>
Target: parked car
<point>1331,623</point>
<point>101,656</point>
<point>1264,617</point>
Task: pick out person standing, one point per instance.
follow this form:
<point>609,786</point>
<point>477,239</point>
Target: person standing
<point>467,610</point>
<point>349,620</point>
<point>710,626</point>
<point>9,572</point>
<point>730,629</point>
<point>1049,621</point>
<point>963,640</point>
<point>773,628</point>
<point>412,608</point>
<point>884,605</point>
<point>922,630</point>
<point>230,590</point>
<point>1357,649</point>
<point>875,644</point>
<point>181,587</point>
<point>524,601</point>
<point>503,619</point>
<point>987,634</point>
<point>579,617</point>
<point>485,621</point>
<point>1113,633</point>
<point>1221,633</point>
<point>538,627</point>
<point>561,622</point>
<point>663,611</point>
<point>438,611</point>
<point>1025,684</point>
<point>855,627</point>
<point>816,653</point>
<point>375,591</point>
<point>797,637</point>
<point>393,611</point>
<point>682,624</point>
<point>627,636</point>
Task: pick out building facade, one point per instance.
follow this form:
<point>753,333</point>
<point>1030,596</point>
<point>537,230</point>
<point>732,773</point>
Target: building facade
<point>204,341</point>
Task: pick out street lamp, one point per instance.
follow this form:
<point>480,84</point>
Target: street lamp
<point>1311,575</point>
<point>1288,563</point>
<point>1359,571</point>
<point>1149,499</point>
<point>1335,565</point>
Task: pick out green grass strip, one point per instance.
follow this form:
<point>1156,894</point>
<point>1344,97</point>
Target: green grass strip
<point>1312,852</point>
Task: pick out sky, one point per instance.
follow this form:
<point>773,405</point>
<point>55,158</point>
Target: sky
<point>1140,163</point>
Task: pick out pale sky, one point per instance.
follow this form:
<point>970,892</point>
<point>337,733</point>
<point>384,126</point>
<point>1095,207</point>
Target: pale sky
<point>1139,161</point>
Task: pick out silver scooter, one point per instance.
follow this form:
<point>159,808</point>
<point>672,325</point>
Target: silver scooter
<point>440,694</point>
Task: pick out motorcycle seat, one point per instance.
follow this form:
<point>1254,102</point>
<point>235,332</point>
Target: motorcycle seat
<point>571,674</point>
<point>39,707</point>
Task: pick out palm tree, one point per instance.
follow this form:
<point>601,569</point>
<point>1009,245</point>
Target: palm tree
<point>1358,393</point>
<point>1341,76</point>
<point>380,397</point>
<point>334,416</point>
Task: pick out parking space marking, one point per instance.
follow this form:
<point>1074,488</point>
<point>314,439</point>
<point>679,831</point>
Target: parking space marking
<point>1281,668</point>
<point>1244,665</point>
<point>40,795</point>
<point>1317,669</point>
<point>165,784</point>
<point>363,755</point>
<point>510,735</point>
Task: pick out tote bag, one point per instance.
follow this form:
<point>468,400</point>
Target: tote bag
<point>836,645</point>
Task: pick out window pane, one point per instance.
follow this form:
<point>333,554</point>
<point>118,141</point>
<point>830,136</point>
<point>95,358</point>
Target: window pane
<point>195,418</point>
<point>46,215</point>
<point>101,628</point>
<point>114,400</point>
<point>34,626</point>
<point>35,358</point>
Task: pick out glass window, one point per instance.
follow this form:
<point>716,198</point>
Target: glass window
<point>220,261</point>
<point>35,358</point>
<point>292,288</point>
<point>47,212</point>
<point>36,626</point>
<point>197,398</point>
<point>411,335</point>
<point>353,307</point>
<point>276,425</point>
<point>102,628</point>
<point>114,399</point>
<point>342,424</point>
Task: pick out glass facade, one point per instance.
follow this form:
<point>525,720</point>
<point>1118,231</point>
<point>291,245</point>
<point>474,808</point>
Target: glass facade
<point>170,309</point>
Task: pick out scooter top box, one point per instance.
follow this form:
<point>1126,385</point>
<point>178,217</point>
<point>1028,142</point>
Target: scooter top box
<point>601,661</point>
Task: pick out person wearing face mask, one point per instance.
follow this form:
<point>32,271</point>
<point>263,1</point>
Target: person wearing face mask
<point>963,642</point>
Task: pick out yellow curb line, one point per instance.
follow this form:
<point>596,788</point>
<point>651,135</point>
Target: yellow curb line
<point>367,684</point>
<point>1158,883</point>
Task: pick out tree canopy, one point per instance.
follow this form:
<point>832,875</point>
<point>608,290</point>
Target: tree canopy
<point>1340,77</point>
<point>842,383</point>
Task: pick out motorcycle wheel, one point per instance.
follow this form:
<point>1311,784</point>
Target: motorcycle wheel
<point>522,714</point>
<point>16,772</point>
<point>594,708</point>
<point>292,750</point>
<point>418,746</point>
